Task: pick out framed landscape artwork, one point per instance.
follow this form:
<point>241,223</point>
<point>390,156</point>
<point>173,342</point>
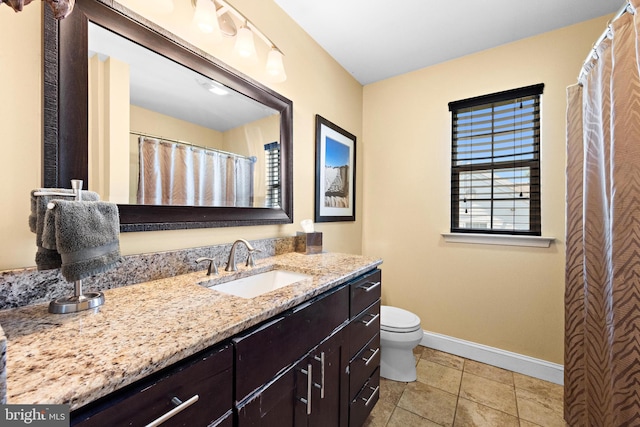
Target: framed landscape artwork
<point>335,173</point>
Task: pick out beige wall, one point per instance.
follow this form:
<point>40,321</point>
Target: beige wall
<point>501,296</point>
<point>315,83</point>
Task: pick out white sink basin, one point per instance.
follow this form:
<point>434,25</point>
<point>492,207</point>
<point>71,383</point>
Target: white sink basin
<point>258,284</point>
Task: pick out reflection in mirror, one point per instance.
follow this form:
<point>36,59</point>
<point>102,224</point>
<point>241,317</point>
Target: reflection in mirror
<point>189,140</point>
<point>101,100</point>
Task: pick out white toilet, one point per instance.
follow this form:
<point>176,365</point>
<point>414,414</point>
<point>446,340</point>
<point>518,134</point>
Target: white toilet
<point>400,333</point>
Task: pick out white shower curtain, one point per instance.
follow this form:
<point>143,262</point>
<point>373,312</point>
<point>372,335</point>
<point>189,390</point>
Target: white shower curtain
<point>602,296</point>
<point>180,174</point>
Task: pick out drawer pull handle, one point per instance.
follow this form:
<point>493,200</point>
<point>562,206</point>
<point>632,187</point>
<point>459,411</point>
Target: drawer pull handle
<point>175,411</point>
<point>367,361</point>
<point>373,319</point>
<point>375,391</point>
<point>307,401</point>
<point>372,286</point>
<point>321,360</point>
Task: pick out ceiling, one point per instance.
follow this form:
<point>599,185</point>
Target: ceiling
<point>161,85</point>
<point>377,39</point>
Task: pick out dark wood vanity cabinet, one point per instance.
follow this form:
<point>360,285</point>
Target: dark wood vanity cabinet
<point>314,365</point>
<point>197,390</point>
<point>364,346</point>
<point>306,394</point>
<point>290,370</point>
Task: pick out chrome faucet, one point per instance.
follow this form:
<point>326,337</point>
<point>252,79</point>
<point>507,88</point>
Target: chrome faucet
<point>213,265</point>
<point>231,264</point>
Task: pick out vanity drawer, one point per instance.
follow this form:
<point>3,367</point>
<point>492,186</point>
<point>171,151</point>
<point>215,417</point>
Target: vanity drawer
<point>365,291</point>
<point>208,376</point>
<point>363,365</point>
<point>365,400</point>
<point>265,350</point>
<point>364,327</point>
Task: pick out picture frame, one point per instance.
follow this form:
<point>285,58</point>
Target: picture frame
<point>335,195</point>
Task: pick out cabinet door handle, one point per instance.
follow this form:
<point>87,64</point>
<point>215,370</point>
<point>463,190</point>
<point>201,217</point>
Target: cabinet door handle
<point>307,401</point>
<point>181,407</point>
<point>321,360</point>
<point>373,319</point>
<point>372,286</point>
<point>367,361</point>
<point>375,390</point>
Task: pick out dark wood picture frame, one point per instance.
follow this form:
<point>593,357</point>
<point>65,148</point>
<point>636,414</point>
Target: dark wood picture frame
<point>335,195</point>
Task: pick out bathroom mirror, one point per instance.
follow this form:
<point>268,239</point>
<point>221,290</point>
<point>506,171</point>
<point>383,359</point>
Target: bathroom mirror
<point>69,114</point>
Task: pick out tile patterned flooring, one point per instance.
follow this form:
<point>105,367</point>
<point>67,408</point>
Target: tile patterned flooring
<point>453,391</point>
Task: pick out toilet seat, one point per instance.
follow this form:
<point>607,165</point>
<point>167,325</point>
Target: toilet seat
<point>394,319</point>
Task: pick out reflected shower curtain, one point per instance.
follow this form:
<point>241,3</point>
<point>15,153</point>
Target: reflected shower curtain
<point>180,174</point>
<point>602,296</point>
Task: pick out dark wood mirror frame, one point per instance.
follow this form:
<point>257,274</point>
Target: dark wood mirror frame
<point>65,133</point>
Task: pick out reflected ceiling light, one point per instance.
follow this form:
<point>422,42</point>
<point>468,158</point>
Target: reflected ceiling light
<point>214,16</point>
<point>217,88</point>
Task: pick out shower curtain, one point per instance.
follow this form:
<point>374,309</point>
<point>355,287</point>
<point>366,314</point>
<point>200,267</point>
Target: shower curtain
<point>180,174</point>
<point>602,296</point>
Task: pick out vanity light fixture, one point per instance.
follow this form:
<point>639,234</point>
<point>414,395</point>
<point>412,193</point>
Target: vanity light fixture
<point>245,47</point>
<point>213,16</point>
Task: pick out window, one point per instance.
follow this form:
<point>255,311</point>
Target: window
<point>272,156</point>
<point>495,163</point>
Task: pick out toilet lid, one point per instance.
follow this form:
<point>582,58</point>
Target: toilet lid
<point>394,319</point>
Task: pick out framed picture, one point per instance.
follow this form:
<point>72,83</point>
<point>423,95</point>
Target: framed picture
<point>335,173</point>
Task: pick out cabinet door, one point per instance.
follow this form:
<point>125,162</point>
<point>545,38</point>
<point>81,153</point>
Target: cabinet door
<point>329,398</point>
<point>277,404</point>
<point>311,393</point>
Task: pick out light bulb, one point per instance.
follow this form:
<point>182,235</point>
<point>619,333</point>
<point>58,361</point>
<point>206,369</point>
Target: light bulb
<point>275,67</point>
<point>206,19</point>
<point>244,43</point>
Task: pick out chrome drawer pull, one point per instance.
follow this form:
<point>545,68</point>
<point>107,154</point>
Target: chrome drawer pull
<point>372,286</point>
<point>321,360</point>
<point>373,319</point>
<point>367,361</point>
<point>367,401</point>
<point>175,411</point>
<point>307,401</point>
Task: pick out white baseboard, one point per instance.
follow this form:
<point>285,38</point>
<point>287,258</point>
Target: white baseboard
<point>515,362</point>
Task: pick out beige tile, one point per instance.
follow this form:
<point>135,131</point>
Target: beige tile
<point>391,390</point>
<point>472,414</point>
<point>439,376</point>
<point>380,414</point>
<point>429,402</point>
<point>539,408</point>
<point>525,423</point>
<point>404,418</point>
<point>489,372</point>
<point>551,390</point>
<point>489,393</point>
<point>442,358</point>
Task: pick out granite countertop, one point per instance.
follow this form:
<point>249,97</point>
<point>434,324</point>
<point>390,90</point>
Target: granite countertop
<point>77,358</point>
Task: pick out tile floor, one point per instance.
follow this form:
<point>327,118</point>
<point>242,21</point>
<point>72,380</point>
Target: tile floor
<point>453,391</point>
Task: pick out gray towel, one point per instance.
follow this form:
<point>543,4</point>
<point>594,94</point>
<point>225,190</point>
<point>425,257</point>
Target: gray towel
<point>85,234</point>
<point>47,259</point>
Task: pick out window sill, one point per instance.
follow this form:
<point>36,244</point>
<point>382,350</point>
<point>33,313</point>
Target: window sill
<point>499,239</point>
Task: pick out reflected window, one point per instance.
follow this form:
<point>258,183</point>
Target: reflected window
<point>272,157</point>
